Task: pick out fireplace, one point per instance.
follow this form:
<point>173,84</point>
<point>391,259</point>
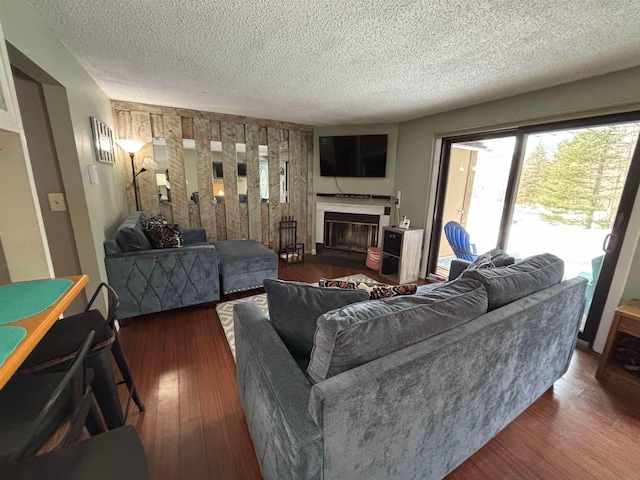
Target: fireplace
<point>346,230</point>
<point>351,232</point>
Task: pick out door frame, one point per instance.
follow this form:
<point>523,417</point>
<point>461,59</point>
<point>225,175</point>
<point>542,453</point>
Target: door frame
<point>441,191</point>
<point>623,214</point>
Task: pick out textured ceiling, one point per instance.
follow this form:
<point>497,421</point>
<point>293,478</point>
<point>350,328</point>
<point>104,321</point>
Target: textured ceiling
<point>332,62</point>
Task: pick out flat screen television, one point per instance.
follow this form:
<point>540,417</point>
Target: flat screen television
<point>353,156</point>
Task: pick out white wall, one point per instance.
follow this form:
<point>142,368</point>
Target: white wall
<point>95,209</point>
<point>379,186</point>
<point>25,251</point>
<point>419,145</point>
<point>376,186</point>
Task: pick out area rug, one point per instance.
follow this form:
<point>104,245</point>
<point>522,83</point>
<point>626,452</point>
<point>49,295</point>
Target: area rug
<point>225,309</point>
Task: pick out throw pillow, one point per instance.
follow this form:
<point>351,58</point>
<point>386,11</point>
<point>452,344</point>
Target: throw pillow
<point>491,259</point>
<point>500,258</point>
<point>330,283</point>
<point>380,290</point>
<point>165,235</point>
<point>144,222</point>
<point>482,261</point>
<point>132,239</point>
<point>130,235</point>
<point>508,284</point>
<point>295,307</point>
<point>359,333</point>
<point>376,290</point>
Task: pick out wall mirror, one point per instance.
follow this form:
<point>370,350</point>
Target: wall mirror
<point>162,173</point>
<point>191,171</point>
<point>241,162</point>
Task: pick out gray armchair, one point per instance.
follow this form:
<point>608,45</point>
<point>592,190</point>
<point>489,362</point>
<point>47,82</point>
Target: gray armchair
<point>149,280</point>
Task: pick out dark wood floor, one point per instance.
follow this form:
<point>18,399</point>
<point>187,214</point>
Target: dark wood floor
<point>194,426</point>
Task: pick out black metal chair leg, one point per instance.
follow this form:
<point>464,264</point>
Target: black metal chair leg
<point>123,365</point>
<point>104,387</point>
<point>94,423</point>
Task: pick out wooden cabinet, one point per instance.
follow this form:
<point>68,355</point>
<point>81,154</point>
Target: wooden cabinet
<point>625,321</point>
<point>401,251</point>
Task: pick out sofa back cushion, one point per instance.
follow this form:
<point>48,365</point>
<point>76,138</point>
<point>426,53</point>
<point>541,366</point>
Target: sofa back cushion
<point>295,307</point>
<point>508,284</point>
<point>362,332</point>
<point>129,237</point>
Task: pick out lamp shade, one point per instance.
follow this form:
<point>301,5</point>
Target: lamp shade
<point>149,164</point>
<point>130,146</point>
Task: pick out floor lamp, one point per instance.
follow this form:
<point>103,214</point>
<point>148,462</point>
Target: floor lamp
<point>132,147</point>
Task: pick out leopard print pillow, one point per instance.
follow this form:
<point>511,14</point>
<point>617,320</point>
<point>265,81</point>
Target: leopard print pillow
<point>325,282</point>
<point>164,235</point>
<point>376,290</point>
<point>380,290</point>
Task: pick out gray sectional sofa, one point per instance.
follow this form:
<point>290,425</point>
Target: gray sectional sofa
<point>407,388</point>
<point>149,280</point>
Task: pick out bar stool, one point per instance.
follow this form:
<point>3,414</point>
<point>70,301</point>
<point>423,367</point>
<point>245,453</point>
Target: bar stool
<point>33,407</point>
<point>59,345</point>
<point>117,454</point>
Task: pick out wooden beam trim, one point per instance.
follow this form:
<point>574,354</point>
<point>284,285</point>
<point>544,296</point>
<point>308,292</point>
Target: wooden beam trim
<point>211,116</point>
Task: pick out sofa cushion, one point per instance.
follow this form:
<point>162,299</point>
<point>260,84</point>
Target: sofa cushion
<point>359,333</point>
<point>295,307</point>
<point>508,284</point>
<point>130,235</point>
<point>244,256</point>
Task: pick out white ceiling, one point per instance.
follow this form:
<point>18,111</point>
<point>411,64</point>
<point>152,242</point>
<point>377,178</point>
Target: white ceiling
<point>332,62</point>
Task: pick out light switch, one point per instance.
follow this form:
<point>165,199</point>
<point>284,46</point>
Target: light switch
<point>93,174</point>
<point>56,202</point>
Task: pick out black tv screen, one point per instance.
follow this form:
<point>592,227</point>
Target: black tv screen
<point>353,156</point>
<point>218,170</point>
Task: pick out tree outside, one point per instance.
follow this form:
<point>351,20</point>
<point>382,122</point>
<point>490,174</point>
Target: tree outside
<point>534,170</point>
<point>583,183</point>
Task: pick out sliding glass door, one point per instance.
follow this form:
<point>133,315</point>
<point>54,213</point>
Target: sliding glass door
<point>476,183</point>
<point>564,188</point>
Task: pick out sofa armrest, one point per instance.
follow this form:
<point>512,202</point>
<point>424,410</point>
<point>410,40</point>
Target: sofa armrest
<point>194,235</point>
<point>155,252</point>
<point>458,266</point>
<point>275,395</point>
<point>161,279</point>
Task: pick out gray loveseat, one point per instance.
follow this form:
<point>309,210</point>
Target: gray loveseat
<point>149,280</point>
<point>419,411</point>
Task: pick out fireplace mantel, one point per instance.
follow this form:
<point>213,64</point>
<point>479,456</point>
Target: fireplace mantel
<point>322,207</point>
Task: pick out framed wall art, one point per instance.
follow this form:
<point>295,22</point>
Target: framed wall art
<point>103,141</point>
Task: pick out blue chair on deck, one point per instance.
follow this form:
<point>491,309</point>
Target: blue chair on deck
<point>596,267</point>
<point>458,238</point>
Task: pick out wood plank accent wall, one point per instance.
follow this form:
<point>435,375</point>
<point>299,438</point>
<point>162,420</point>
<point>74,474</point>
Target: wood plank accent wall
<point>147,186</point>
<point>273,142</point>
<point>230,220</point>
<point>177,176</point>
<point>230,170</point>
<point>202,134</point>
<point>253,183</point>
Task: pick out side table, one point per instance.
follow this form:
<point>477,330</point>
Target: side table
<point>625,321</point>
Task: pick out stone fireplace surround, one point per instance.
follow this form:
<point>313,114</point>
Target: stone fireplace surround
<point>322,207</point>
